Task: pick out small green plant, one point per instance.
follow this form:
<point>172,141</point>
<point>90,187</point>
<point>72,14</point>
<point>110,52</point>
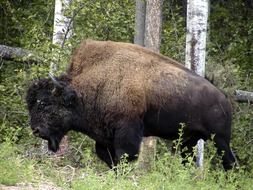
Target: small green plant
<point>124,168</point>
<point>178,142</point>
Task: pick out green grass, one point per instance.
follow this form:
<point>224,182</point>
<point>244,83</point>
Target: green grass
<point>13,168</point>
<point>167,173</point>
<point>170,175</point>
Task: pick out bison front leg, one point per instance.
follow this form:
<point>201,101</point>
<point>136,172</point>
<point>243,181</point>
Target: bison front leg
<point>106,154</point>
<point>127,139</point>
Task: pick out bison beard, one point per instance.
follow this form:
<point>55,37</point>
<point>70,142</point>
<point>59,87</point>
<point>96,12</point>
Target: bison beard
<point>116,93</point>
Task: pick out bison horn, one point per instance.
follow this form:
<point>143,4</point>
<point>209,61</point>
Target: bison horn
<point>57,86</point>
<point>56,83</point>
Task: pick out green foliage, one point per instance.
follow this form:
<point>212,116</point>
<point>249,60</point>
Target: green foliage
<point>173,32</point>
<point>167,173</point>
<point>105,20</point>
<point>13,115</point>
<point>234,38</point>
<point>28,24</point>
<point>243,127</point>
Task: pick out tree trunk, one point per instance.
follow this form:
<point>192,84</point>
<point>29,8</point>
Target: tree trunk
<point>18,54</point>
<point>62,31</point>
<point>152,40</point>
<point>197,14</point>
<point>140,13</point>
<point>153,24</point>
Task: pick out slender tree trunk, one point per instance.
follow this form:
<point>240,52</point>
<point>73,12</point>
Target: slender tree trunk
<point>152,40</point>
<point>153,24</point>
<point>62,31</point>
<point>61,22</point>
<point>140,14</point>
<point>197,15</point>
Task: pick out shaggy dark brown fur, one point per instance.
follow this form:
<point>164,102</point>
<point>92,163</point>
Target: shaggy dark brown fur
<point>124,91</point>
<point>126,75</point>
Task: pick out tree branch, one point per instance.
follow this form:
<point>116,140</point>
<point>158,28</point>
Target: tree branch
<point>18,54</point>
<point>244,96</point>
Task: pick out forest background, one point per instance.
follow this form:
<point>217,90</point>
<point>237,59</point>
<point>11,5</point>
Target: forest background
<point>29,25</point>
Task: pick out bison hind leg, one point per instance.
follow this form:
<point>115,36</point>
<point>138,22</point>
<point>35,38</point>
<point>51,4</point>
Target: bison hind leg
<point>223,148</point>
<point>127,139</point>
<point>106,154</point>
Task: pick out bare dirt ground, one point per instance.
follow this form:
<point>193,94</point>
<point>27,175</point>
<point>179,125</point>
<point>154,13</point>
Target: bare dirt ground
<point>42,186</point>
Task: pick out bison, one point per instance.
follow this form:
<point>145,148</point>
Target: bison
<point>117,93</point>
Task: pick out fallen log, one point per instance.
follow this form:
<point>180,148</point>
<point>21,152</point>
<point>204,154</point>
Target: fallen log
<point>18,54</point>
<point>244,96</point>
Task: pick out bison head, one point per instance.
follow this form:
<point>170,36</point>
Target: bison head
<point>51,106</point>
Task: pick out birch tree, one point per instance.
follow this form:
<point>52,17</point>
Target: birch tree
<point>197,15</point>
<point>62,31</point>
<point>152,40</point>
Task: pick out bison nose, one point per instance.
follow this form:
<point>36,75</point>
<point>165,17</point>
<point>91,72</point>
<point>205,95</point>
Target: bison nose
<point>36,132</point>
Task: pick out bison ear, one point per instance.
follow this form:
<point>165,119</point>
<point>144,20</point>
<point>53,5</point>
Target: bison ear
<point>69,97</point>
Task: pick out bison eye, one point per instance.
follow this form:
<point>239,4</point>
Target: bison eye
<point>41,104</point>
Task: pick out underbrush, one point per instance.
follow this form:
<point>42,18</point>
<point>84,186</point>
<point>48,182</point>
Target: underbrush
<point>166,173</point>
<point>13,168</point>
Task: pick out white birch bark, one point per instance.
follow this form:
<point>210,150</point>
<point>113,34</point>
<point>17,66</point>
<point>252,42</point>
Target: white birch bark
<point>61,32</point>
<point>61,27</point>
<point>152,40</point>
<point>197,15</point>
<point>61,22</point>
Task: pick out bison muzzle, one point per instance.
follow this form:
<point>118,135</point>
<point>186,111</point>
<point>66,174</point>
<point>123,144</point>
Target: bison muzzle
<point>117,93</point>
